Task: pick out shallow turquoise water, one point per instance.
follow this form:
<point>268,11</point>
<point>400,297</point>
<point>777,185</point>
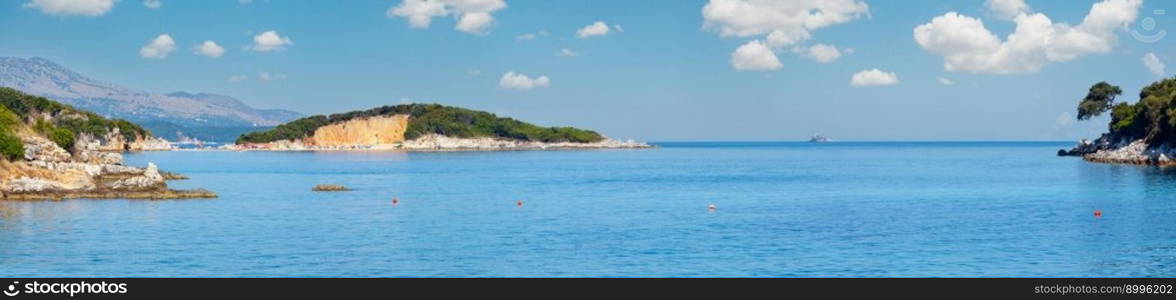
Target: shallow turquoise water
<point>784,209</point>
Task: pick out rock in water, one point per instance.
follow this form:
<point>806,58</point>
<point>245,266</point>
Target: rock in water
<point>329,188</point>
<point>1085,147</point>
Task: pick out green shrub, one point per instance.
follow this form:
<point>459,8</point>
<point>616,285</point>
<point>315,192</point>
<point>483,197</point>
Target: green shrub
<point>10,146</point>
<point>62,137</point>
<point>8,119</point>
<point>1123,118</point>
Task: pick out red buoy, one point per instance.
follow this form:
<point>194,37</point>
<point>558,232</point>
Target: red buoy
<point>1097,213</point>
<point>519,203</point>
<point>395,201</point>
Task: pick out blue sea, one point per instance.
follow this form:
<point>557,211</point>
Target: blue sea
<point>841,209</point>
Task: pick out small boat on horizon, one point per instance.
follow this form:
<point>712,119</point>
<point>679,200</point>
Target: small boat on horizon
<point>818,139</point>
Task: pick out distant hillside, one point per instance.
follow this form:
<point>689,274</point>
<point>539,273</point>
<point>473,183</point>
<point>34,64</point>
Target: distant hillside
<point>220,134</point>
<point>425,119</point>
<point>169,115</point>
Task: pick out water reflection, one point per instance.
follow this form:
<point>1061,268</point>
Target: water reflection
<point>1121,181</point>
<point>1160,178</point>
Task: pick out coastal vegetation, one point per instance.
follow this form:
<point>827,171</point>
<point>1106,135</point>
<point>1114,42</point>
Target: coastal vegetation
<point>1152,119</point>
<point>426,119</point>
<point>64,122</point>
<point>10,146</point>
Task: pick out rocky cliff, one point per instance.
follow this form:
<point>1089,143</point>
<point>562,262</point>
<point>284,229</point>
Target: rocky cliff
<point>46,171</point>
<point>54,151</point>
<point>374,131</point>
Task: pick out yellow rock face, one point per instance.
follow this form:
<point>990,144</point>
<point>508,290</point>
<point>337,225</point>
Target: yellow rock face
<point>379,130</point>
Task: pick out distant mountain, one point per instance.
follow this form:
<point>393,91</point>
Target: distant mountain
<point>171,115</point>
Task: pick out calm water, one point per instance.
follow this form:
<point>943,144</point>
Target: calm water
<point>785,209</point>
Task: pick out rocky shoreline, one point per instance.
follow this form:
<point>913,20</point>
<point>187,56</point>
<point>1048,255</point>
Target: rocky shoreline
<point>443,143</point>
<point>1137,152</point>
<point>48,172</point>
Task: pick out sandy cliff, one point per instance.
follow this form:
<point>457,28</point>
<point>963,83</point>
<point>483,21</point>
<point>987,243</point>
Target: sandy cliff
<point>372,131</point>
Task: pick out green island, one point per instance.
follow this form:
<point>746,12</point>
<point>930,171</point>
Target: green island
<point>426,119</point>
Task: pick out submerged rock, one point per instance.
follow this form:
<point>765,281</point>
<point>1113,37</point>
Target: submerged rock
<point>329,188</point>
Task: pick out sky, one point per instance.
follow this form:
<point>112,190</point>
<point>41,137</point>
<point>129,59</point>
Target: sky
<point>657,70</point>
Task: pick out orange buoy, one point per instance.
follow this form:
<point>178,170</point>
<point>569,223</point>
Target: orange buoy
<point>1097,213</point>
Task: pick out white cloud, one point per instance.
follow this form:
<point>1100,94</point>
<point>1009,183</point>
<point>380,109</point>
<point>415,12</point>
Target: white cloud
<point>945,81</point>
<point>567,52</point>
<point>237,78</point>
<point>618,28</point>
<point>785,21</point>
<point>531,36</point>
<point>474,16</point>
<point>475,23</point>
<point>781,23</point>
<point>91,8</point>
<point>420,13</point>
<point>823,53</point>
<point>153,4</point>
<point>270,41</point>
<point>210,49</point>
<point>473,72</point>
<point>873,77</point>
<point>159,47</point>
<point>520,82</point>
<point>1153,64</point>
<point>966,45</point>
<point>755,56</point>
<point>1007,9</point>
<point>595,29</point>
<point>267,76</point>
